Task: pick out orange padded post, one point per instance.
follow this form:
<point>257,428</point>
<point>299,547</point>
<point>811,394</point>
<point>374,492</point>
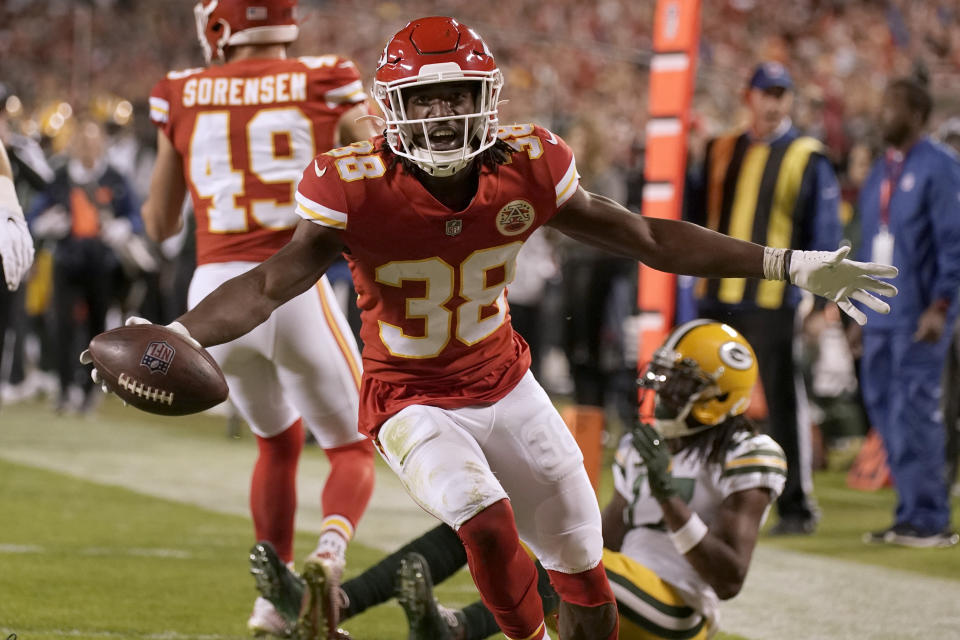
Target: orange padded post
<point>586,425</point>
<point>676,36</point>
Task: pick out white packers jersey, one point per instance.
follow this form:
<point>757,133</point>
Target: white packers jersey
<point>753,461</point>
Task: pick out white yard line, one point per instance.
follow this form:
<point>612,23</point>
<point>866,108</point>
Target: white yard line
<point>787,595</point>
<point>804,596</point>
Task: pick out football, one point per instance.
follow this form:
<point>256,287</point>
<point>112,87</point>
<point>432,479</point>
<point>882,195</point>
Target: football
<point>157,370</point>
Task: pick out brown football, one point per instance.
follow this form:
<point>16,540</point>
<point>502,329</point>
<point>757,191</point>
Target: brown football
<point>157,370</point>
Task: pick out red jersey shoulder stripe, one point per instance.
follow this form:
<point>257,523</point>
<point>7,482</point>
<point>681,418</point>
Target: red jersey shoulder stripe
<point>318,213</point>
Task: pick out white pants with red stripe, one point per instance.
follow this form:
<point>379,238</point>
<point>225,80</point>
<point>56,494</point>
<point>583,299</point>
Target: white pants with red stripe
<point>302,362</point>
<point>457,462</point>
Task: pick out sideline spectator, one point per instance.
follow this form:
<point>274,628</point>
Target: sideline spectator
<point>909,211</point>
<point>90,212</point>
<point>773,186</point>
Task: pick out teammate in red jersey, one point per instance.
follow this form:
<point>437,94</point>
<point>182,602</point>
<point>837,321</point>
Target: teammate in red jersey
<point>431,217</point>
<point>237,136</point>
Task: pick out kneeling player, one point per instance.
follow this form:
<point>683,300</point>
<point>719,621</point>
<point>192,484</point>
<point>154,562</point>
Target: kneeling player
<point>678,537</point>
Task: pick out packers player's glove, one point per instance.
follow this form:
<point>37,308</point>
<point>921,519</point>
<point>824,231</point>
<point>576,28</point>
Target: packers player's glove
<point>656,456</point>
<point>831,275</point>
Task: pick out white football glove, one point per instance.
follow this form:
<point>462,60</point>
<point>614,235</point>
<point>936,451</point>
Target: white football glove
<point>85,357</point>
<point>16,245</point>
<point>831,275</point>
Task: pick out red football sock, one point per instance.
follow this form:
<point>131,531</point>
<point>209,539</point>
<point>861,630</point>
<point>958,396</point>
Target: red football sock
<point>273,488</point>
<point>503,572</point>
<point>349,486</point>
<point>586,589</point>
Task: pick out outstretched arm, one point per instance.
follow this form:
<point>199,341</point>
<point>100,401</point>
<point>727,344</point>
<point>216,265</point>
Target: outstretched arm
<point>241,304</point>
<point>666,245</point>
<point>681,247</point>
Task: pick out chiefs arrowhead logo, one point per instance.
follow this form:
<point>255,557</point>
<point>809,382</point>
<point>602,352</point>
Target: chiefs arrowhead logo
<point>515,217</point>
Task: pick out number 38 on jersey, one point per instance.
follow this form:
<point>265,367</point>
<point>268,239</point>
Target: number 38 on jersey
<point>481,313</point>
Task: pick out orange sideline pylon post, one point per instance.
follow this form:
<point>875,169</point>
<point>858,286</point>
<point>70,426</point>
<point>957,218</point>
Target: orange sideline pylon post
<point>676,36</point>
<point>586,425</point>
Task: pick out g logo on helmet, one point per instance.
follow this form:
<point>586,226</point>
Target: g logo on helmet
<point>736,356</point>
<point>515,217</point>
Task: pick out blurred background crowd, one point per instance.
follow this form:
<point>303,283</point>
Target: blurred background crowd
<point>75,76</point>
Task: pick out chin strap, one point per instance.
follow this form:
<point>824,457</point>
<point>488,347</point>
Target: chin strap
<point>433,162</point>
<point>678,428</point>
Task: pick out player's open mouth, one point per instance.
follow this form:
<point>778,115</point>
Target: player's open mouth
<point>444,138</point>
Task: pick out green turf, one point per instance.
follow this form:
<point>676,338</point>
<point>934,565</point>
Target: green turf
<point>848,514</point>
<point>85,560</point>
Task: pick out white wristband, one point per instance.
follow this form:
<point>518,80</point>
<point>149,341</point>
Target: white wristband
<point>689,535</point>
<point>8,198</point>
<point>774,263</point>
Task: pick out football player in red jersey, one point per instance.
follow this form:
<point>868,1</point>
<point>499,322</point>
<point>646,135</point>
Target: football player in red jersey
<point>237,136</point>
<point>431,217</point>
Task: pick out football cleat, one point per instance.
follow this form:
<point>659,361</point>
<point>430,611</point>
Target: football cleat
<point>266,621</point>
<point>281,587</point>
<point>427,619</point>
<point>320,606</point>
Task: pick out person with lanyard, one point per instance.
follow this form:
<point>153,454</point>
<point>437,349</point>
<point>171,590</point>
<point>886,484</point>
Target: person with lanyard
<point>769,184</point>
<point>910,220</point>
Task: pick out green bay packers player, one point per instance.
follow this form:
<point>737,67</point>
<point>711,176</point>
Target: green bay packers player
<point>692,490</point>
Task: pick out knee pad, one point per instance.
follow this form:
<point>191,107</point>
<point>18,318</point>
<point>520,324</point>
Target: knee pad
<point>440,465</point>
<point>569,535</point>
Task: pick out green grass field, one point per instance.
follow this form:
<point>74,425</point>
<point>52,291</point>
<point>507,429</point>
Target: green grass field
<point>84,559</point>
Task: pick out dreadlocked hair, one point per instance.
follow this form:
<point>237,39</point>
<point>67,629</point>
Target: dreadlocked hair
<point>497,154</point>
<point>712,444</point>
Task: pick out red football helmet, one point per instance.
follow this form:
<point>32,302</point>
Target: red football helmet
<point>430,51</point>
<point>221,23</point>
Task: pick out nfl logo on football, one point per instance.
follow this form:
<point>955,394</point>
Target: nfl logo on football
<point>158,357</point>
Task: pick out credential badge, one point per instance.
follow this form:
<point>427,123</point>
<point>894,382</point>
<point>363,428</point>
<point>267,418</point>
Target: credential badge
<point>158,357</point>
<point>908,182</point>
